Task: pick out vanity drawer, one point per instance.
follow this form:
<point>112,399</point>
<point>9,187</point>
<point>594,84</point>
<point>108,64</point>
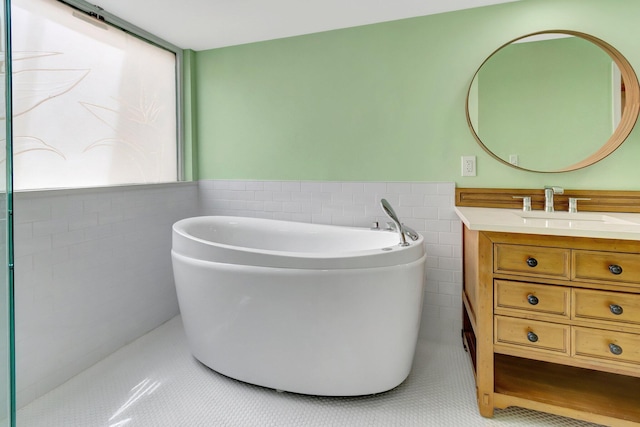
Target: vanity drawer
<point>608,345</point>
<point>610,306</point>
<point>525,333</point>
<point>608,266</point>
<point>532,261</point>
<point>531,297</point>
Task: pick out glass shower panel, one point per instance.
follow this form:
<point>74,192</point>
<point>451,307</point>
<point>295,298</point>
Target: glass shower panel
<point>7,371</point>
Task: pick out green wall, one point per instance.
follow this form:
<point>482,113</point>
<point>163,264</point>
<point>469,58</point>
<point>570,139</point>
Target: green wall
<point>386,102</point>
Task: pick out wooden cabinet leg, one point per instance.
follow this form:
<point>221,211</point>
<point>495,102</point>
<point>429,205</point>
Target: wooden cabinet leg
<point>485,404</point>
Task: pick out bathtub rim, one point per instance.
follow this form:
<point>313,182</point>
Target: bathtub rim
<point>188,245</point>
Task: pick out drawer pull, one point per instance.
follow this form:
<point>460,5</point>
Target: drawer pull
<point>533,300</point>
<point>615,269</point>
<point>615,309</point>
<point>532,262</point>
<point>531,336</point>
<point>615,349</point>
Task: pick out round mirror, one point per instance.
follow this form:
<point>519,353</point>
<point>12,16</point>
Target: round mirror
<point>553,101</point>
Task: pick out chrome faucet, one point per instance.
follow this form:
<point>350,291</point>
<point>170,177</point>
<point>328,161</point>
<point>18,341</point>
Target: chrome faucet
<point>410,232</point>
<point>386,207</point>
<point>549,191</point>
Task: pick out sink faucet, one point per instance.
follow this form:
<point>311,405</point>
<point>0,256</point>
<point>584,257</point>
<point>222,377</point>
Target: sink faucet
<point>549,191</point>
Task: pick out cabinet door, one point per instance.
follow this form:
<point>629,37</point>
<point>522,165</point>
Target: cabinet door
<point>601,344</point>
<point>533,335</point>
<point>532,298</point>
<point>532,261</point>
<point>607,266</point>
<point>612,307</point>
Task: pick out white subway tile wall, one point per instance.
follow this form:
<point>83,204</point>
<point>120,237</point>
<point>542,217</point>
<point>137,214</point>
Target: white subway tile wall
<point>425,206</point>
<point>93,267</point>
<point>93,272</point>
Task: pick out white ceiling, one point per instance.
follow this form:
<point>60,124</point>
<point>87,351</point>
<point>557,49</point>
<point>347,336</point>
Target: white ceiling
<point>207,24</point>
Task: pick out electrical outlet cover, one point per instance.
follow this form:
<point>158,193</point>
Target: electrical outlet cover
<point>468,165</point>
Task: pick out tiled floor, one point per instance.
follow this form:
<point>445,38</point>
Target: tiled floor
<point>155,382</point>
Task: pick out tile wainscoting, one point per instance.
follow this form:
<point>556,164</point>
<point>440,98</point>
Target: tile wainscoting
<point>93,268</point>
<point>93,273</point>
<point>424,206</point>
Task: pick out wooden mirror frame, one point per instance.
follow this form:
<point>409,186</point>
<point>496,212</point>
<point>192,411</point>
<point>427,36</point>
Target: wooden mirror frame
<point>627,120</point>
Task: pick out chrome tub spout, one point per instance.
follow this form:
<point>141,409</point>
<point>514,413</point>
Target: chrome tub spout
<point>410,232</point>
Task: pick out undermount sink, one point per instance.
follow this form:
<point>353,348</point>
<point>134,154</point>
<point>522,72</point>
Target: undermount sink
<point>569,219</point>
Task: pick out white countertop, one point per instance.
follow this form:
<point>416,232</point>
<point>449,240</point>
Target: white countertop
<point>607,225</point>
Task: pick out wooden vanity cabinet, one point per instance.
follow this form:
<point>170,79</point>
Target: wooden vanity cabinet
<point>552,323</point>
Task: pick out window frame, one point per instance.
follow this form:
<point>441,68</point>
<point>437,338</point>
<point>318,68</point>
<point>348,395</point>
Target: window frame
<point>143,35</point>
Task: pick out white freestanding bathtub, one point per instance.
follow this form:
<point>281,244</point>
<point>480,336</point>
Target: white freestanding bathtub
<point>305,308</point>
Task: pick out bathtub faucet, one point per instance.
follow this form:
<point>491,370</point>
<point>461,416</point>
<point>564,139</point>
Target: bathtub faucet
<point>386,207</point>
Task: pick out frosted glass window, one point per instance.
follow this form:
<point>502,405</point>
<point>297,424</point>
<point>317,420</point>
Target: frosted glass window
<point>93,105</point>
